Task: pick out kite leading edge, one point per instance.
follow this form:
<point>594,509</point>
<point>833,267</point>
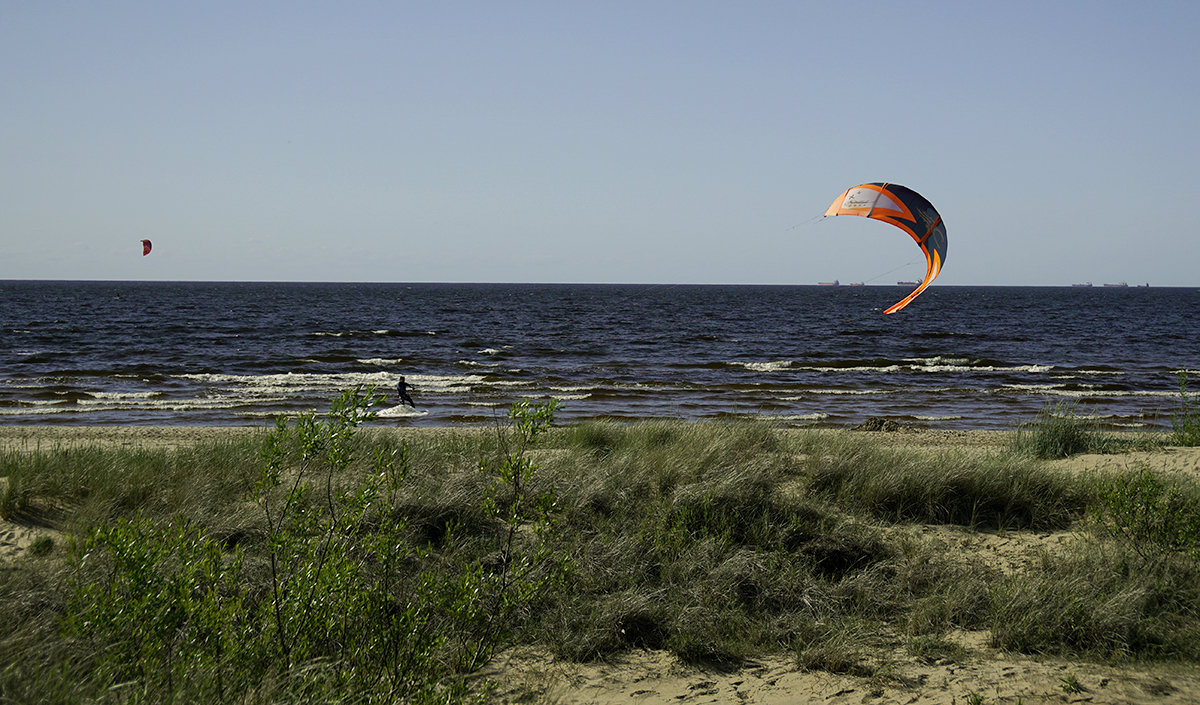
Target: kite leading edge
<point>906,209</point>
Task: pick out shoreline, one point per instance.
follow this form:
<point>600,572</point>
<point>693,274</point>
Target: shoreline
<point>34,437</point>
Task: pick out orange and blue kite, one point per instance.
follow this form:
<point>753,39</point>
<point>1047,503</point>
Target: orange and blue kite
<point>907,210</point>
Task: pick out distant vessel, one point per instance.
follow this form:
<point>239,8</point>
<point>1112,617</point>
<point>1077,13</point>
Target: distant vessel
<point>832,283</point>
<point>1083,284</point>
<point>1143,286</point>
<point>855,284</point>
<point>1117,284</point>
<point>907,283</point>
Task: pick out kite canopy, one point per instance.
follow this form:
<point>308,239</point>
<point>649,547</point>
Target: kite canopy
<point>145,247</point>
<point>907,210</point>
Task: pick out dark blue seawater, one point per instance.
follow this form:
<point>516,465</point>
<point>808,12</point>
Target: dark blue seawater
<point>160,353</point>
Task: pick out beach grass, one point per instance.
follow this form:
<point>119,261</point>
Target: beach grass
<point>1061,431</point>
<point>1185,422</point>
<point>325,561</point>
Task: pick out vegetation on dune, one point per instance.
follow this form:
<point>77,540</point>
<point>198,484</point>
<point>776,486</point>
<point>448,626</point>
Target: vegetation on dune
<point>325,561</point>
<point>1186,420</point>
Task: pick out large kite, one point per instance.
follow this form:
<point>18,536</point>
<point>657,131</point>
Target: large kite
<point>907,210</point>
<point>145,247</point>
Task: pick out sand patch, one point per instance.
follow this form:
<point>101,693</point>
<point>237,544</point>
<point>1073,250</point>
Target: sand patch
<point>657,678</point>
<point>1170,459</point>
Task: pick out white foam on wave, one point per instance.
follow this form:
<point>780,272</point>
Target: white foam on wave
<point>35,410</point>
<point>352,333</point>
<point>383,361</point>
<point>926,367</point>
<point>124,395</point>
<point>887,369</point>
<point>816,416</point>
<point>43,402</point>
<point>1057,390</point>
<point>93,406</point>
<point>1033,369</point>
<point>475,363</point>
<point>286,385</point>
<point>401,411</point>
<point>771,366</point>
<point>940,360</point>
<point>511,383</point>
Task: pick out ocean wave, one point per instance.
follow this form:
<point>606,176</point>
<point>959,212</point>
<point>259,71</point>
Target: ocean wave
<point>337,380</point>
<point>124,395</point>
<point>772,366</point>
<point>942,360</point>
<point>43,402</point>
<point>474,363</point>
<point>1058,390</point>
<point>877,369</point>
<point>382,332</point>
<point>815,416</point>
<point>560,397</point>
<point>35,411</point>
<point>927,367</point>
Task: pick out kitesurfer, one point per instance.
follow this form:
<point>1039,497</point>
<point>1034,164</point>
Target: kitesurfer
<point>402,388</point>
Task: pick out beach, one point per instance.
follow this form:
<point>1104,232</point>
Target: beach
<point>989,675</point>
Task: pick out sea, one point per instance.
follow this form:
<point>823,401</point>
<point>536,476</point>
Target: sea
<point>241,354</point>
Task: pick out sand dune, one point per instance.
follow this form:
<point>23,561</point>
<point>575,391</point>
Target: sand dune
<point>984,675</point>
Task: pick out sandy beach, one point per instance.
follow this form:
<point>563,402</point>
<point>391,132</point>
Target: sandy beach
<point>987,676</point>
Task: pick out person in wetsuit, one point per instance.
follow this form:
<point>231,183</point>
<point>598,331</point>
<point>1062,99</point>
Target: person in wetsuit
<point>402,388</point>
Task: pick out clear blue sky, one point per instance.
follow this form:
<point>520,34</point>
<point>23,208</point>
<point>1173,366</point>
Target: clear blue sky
<point>558,141</point>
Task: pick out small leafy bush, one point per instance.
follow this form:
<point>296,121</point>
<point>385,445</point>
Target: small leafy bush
<point>1150,512</point>
<point>336,600</point>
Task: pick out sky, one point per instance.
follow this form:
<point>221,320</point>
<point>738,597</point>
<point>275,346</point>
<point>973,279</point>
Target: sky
<point>638,141</point>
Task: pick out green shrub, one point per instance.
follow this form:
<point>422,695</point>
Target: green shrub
<point>1186,420</point>
<point>1150,512</point>
<point>335,599</point>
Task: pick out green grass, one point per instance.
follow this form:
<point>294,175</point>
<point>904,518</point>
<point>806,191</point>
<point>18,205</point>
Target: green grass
<point>1060,432</point>
<point>321,561</point>
<point>982,490</point>
<point>1185,422</point>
